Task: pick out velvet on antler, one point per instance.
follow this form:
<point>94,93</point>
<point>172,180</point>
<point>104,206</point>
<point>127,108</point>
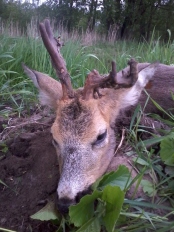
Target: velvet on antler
<point>95,81</point>
<point>53,47</point>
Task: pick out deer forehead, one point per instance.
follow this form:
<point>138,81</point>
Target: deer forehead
<point>78,119</point>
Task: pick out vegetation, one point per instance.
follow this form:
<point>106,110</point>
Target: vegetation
<point>112,18</point>
<point>83,51</point>
<point>17,90</point>
<point>130,215</point>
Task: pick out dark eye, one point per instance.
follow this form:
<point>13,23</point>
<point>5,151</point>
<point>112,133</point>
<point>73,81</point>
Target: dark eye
<point>54,142</point>
<point>100,138</point>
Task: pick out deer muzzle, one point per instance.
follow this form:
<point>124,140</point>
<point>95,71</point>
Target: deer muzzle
<point>75,177</point>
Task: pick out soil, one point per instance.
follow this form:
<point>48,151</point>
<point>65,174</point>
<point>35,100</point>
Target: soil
<point>29,169</point>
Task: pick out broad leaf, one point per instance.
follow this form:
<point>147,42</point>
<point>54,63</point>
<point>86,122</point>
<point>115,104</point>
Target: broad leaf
<point>114,198</point>
<point>148,187</point>
<point>121,178</point>
<point>93,225</point>
<point>84,210</point>
<point>167,151</point>
<point>46,213</point>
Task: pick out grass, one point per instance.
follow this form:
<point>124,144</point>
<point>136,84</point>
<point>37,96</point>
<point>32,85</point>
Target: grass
<point>80,60</point>
<point>17,93</point>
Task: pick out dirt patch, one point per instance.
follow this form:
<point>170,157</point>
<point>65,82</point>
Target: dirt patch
<point>30,171</point>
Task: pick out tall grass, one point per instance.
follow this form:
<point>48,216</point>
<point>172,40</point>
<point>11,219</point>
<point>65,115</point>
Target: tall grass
<point>81,53</point>
<point>81,56</point>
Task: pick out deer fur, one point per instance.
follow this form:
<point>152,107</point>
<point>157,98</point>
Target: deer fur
<point>161,89</point>
<point>83,130</point>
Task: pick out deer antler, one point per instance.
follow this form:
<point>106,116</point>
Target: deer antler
<point>94,80</point>
<point>133,71</point>
<point>53,47</point>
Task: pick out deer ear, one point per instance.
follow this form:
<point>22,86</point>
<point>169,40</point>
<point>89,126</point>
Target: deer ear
<point>132,95</point>
<point>114,100</point>
<point>50,90</point>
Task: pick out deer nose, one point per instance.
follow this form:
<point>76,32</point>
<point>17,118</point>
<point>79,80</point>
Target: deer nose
<point>63,205</point>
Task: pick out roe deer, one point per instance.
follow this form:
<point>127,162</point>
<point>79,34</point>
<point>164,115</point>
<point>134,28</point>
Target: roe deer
<point>83,131</point>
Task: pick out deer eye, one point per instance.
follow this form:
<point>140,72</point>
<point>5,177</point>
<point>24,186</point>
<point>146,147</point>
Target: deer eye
<point>54,142</point>
<point>100,138</point>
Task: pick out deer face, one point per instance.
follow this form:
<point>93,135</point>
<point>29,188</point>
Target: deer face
<point>85,146</point>
<point>82,131</point>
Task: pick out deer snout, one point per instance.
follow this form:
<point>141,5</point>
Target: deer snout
<point>64,203</point>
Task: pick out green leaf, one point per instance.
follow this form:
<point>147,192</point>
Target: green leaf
<point>143,204</point>
<point>6,230</point>
<point>5,56</point>
<point>114,198</point>
<point>121,178</point>
<point>93,225</point>
<point>46,213</point>
<point>92,55</point>
<point>140,161</point>
<point>134,116</point>
<point>171,186</point>
<point>167,151</point>
<point>1,182</point>
<point>150,142</point>
<point>148,187</point>
<point>84,210</point>
<point>169,32</point>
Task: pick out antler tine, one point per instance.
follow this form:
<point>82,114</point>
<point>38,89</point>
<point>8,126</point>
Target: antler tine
<point>133,71</point>
<point>53,48</point>
<point>48,29</point>
<point>94,81</point>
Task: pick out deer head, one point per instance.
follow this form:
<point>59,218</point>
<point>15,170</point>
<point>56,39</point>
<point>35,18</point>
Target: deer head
<point>83,132</point>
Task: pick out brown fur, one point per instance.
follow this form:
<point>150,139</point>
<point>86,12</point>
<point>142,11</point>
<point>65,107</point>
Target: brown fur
<point>162,87</point>
<point>79,123</point>
<point>75,117</point>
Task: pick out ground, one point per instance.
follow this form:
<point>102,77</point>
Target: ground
<point>30,171</point>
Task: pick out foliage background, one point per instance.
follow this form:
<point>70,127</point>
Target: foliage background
<point>121,19</point>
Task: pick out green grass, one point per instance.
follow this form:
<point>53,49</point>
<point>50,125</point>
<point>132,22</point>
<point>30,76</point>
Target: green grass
<point>17,91</point>
<point>80,59</point>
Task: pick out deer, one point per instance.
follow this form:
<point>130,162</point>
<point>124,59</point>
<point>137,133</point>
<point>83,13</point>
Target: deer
<point>83,131</point>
